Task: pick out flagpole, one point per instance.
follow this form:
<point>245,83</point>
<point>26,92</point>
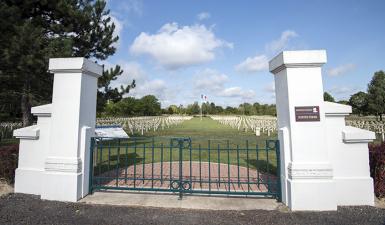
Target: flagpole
<point>201,105</point>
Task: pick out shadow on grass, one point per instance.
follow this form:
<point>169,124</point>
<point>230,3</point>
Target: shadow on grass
<point>108,167</point>
<point>262,166</point>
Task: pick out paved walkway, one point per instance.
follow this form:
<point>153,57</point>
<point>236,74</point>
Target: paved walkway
<point>220,177</point>
<point>188,201</point>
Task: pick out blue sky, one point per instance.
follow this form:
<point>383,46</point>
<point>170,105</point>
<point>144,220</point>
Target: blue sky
<point>177,50</point>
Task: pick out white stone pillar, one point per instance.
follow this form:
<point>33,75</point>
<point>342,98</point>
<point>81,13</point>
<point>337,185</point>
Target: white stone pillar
<point>307,175</point>
<point>73,122</point>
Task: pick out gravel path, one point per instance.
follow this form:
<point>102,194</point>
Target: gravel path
<point>27,209</point>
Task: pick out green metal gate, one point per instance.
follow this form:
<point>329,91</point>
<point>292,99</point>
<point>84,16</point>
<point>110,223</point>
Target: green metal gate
<point>180,166</point>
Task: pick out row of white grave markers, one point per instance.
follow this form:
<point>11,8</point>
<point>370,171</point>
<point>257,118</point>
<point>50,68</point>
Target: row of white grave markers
<point>143,124</point>
<point>368,124</point>
<point>6,129</point>
<point>258,124</point>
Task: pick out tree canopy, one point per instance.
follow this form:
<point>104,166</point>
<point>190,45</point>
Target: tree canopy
<point>328,97</point>
<point>148,105</point>
<point>359,103</point>
<point>33,31</point>
<point>376,94</point>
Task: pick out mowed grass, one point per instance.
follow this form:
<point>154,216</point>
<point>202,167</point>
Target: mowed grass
<point>210,142</point>
<point>201,131</point>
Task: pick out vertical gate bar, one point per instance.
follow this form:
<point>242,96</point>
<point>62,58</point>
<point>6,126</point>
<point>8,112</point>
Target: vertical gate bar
<point>152,163</point>
<point>248,165</point>
<point>101,156</point>
<point>209,165</point>
<point>109,155</point>
<point>180,141</point>
<point>117,163</point>
<point>96,154</point>
<point>278,161</point>
<point>267,166</point>
<point>256,166</point>
<point>228,165</point>
<point>97,166</point>
<point>144,162</point>
<point>239,181</point>
<point>91,173</point>
<point>200,166</point>
<point>190,148</point>
<point>136,158</point>
<point>171,147</point>
<point>126,164</point>
<point>219,166</point>
<point>161,163</point>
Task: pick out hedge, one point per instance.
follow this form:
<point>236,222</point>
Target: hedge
<point>8,162</point>
<point>377,168</point>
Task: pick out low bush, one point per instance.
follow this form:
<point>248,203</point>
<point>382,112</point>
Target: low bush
<point>8,162</point>
<point>377,168</point>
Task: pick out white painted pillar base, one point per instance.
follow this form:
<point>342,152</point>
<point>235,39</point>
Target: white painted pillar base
<point>311,187</point>
<point>306,170</point>
<point>73,122</point>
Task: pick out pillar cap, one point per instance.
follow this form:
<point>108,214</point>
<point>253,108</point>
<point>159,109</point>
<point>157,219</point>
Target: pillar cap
<point>297,59</point>
<point>42,110</point>
<point>75,65</point>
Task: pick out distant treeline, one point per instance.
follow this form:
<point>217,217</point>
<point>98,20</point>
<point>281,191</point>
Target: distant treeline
<point>371,102</point>
<point>149,105</point>
<point>211,108</point>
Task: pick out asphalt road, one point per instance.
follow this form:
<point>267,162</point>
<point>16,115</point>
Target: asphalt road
<point>26,209</point>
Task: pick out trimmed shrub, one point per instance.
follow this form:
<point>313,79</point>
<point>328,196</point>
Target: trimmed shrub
<point>377,168</point>
<point>8,162</point>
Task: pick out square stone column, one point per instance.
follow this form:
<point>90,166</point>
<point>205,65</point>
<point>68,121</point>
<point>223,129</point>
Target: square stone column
<point>73,122</point>
<point>306,170</point>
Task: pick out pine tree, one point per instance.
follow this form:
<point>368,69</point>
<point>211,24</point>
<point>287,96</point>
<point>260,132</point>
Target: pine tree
<point>33,31</point>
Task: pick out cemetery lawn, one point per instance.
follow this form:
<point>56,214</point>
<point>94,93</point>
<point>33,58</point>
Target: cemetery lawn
<point>200,131</point>
<point>207,136</point>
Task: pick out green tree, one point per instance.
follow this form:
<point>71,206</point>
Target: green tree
<point>231,110</point>
<point>219,109</point>
<point>328,97</point>
<point>376,94</point>
<point>193,109</point>
<point>359,103</point>
<point>344,102</point>
<point>173,109</point>
<point>150,106</point>
<point>33,31</point>
<point>106,92</point>
<point>246,109</point>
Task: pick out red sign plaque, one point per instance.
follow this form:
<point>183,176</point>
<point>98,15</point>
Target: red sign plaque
<point>307,114</point>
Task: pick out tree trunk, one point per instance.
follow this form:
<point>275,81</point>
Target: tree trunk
<point>380,116</point>
<point>27,117</point>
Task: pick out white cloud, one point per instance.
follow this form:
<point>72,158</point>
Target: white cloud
<point>253,64</point>
<point>342,69</point>
<point>210,80</point>
<point>278,45</point>
<point>343,90</point>
<point>261,62</point>
<point>155,87</point>
<point>175,46</point>
<point>270,88</point>
<point>131,71</point>
<point>203,16</point>
<point>127,6</point>
<point>234,92</point>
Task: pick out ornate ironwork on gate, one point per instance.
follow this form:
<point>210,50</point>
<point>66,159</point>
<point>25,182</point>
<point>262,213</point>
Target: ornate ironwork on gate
<point>182,167</point>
